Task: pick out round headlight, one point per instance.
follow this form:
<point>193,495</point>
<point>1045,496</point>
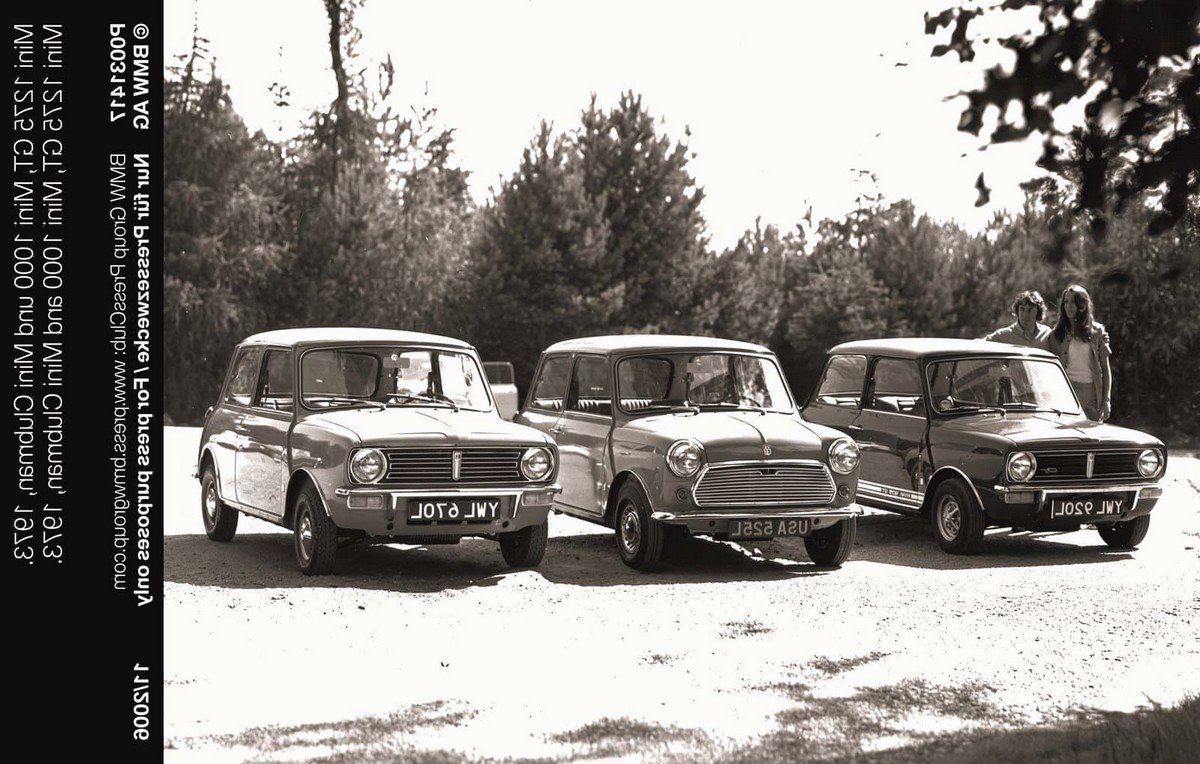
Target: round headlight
<point>1021,466</point>
<point>843,456</point>
<point>1149,463</point>
<point>684,458</point>
<point>367,465</point>
<point>536,463</point>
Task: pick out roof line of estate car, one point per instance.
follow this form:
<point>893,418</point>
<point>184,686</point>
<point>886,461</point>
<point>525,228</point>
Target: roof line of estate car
<point>929,347</point>
<point>660,342</point>
<point>349,334</point>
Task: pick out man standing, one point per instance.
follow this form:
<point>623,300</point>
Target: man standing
<point>1029,309</point>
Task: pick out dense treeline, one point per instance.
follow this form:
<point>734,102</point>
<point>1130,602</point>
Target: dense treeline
<point>364,219</point>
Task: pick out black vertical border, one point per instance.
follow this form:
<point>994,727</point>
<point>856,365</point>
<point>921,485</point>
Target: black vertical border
<point>86,656</point>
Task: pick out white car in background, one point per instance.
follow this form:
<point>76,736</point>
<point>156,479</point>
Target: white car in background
<point>504,388</point>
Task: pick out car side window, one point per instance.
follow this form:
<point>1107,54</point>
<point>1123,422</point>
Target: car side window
<point>842,382</point>
<point>590,390</point>
<point>642,382</point>
<point>550,389</point>
<point>896,387</point>
<point>276,386</point>
<point>240,389</point>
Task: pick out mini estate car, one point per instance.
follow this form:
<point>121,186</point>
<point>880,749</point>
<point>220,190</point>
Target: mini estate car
<point>971,434</point>
<point>662,436</point>
<point>370,435</point>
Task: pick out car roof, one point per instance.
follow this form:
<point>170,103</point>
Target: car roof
<point>928,347</point>
<point>636,342</point>
<point>322,335</point>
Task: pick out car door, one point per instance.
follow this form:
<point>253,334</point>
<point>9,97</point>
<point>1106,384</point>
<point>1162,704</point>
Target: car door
<point>226,421</point>
<point>583,435</point>
<point>837,399</point>
<point>543,408</point>
<point>262,461</point>
<point>891,431</point>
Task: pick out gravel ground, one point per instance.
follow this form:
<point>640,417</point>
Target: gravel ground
<point>441,654</point>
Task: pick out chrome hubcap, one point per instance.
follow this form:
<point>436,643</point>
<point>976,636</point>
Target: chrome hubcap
<point>305,535</point>
<point>631,531</point>
<point>950,517</point>
<point>210,503</point>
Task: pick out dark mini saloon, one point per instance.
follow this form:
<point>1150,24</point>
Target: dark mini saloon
<point>971,434</point>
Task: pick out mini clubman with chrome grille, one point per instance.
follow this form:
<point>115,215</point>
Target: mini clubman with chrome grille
<point>348,435</point>
<point>664,436</point>
<point>972,434</point>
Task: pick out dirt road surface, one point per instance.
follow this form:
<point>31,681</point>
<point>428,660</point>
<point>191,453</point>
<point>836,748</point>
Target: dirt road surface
<point>732,653</point>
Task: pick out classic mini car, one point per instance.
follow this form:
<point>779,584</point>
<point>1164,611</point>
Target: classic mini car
<point>971,434</point>
<point>502,381</point>
<point>664,436</point>
<point>351,435</point>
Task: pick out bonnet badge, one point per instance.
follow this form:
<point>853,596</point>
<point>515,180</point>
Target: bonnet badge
<point>766,449</point>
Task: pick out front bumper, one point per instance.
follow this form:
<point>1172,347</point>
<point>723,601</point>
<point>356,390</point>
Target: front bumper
<point>382,511</point>
<point>1030,506</point>
<point>721,522</point>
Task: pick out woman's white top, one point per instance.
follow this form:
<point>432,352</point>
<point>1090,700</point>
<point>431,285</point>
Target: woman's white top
<point>1079,360</point>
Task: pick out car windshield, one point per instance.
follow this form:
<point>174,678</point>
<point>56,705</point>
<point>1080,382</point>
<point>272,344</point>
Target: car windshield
<point>1009,384</point>
<point>701,381</point>
<point>391,376</point>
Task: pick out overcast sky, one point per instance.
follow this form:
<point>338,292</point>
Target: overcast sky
<point>787,102</point>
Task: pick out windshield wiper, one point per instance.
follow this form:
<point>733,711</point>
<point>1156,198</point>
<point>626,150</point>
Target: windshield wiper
<point>671,407</point>
<point>734,406</point>
<point>332,401</point>
<point>1034,407</point>
<point>403,398</point>
<point>967,408</point>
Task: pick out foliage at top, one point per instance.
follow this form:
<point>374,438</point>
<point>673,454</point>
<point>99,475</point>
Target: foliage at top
<point>1137,67</point>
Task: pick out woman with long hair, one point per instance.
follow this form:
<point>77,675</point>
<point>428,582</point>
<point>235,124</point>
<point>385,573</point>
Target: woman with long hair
<point>1081,343</point>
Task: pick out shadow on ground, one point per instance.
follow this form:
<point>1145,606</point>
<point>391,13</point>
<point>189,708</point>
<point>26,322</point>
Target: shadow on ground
<point>844,728</point>
<point>266,561</point>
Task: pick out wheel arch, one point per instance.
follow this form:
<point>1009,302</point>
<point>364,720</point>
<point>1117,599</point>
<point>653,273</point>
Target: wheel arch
<point>299,478</point>
<point>614,490</point>
<point>208,460</point>
<point>941,476</point>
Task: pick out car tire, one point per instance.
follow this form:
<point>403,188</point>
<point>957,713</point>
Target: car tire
<point>1126,535</point>
<point>957,518</point>
<point>220,520</point>
<point>639,536</point>
<point>831,546</point>
<point>314,533</point>
<point>525,548</point>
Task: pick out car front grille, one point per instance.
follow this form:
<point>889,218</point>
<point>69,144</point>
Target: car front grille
<point>435,466</point>
<point>1062,466</point>
<point>764,483</point>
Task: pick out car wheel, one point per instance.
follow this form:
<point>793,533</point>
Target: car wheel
<point>831,546</point>
<point>1125,535</point>
<point>958,520</point>
<point>220,520</point>
<point>639,536</point>
<point>315,534</point>
<point>525,548</point>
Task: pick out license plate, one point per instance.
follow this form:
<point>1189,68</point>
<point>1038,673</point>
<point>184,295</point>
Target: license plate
<point>796,526</point>
<point>1100,505</point>
<point>461,510</point>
